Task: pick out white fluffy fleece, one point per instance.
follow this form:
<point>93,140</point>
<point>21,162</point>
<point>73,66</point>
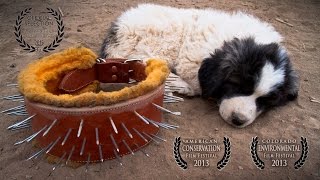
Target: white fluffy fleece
<point>183,37</point>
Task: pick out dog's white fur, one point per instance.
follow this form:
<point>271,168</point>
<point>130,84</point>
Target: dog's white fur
<point>183,37</point>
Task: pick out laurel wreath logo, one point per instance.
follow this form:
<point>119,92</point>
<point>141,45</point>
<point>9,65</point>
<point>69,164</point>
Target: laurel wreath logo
<point>304,154</point>
<point>257,161</point>
<point>177,156</point>
<point>51,46</point>
<point>59,36</point>
<point>227,153</point>
<point>17,31</point>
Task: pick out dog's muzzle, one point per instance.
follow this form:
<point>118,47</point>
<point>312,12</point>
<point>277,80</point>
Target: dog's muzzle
<point>239,111</point>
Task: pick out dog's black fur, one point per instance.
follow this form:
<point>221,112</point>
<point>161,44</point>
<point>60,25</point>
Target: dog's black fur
<point>235,70</point>
<point>111,38</point>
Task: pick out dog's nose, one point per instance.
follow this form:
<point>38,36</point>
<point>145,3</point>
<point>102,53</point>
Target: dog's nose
<point>237,121</point>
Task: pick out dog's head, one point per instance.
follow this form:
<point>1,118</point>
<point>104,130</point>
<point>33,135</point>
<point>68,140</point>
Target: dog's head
<point>248,78</point>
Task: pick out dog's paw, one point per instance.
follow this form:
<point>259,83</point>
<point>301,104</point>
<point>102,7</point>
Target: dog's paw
<point>176,84</point>
<point>188,91</point>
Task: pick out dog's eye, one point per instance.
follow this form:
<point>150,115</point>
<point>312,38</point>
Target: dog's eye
<point>269,100</point>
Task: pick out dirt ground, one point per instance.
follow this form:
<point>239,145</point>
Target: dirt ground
<point>86,23</point>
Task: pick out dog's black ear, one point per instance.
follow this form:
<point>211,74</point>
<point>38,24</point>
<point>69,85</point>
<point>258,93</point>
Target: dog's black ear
<point>291,83</point>
<point>270,50</point>
<point>110,39</point>
<point>209,75</point>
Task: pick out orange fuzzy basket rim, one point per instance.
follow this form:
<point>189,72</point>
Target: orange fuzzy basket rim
<point>33,79</point>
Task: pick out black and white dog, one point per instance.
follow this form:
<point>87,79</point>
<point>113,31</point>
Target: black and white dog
<point>235,58</point>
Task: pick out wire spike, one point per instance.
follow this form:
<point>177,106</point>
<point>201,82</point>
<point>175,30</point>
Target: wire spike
<point>18,111</point>
<point>37,154</point>
<point>14,108</point>
<point>12,84</point>
<point>140,134</point>
<point>70,154</point>
<point>117,156</point>
<point>17,99</point>
<point>166,110</point>
<point>170,101</point>
<point>36,134</point>
<point>83,145</point>
<point>173,97</point>
<point>150,137</point>
<point>113,125</point>
<point>169,125</point>
<point>28,139</point>
<point>18,114</point>
<point>164,125</point>
<point>100,153</point>
<point>127,146</point>
<point>80,128</point>
<point>140,149</point>
<point>127,131</point>
<point>49,128</point>
<point>114,142</point>
<point>21,127</point>
<point>55,142</point>
<point>21,122</point>
<point>158,137</point>
<point>88,161</point>
<point>60,160</point>
<point>97,136</point>
<point>66,137</point>
<point>141,117</point>
<point>152,122</point>
<point>10,96</point>
<point>13,98</point>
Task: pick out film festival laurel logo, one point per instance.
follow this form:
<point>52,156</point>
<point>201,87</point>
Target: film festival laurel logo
<point>201,152</point>
<point>279,152</point>
<point>38,28</point>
